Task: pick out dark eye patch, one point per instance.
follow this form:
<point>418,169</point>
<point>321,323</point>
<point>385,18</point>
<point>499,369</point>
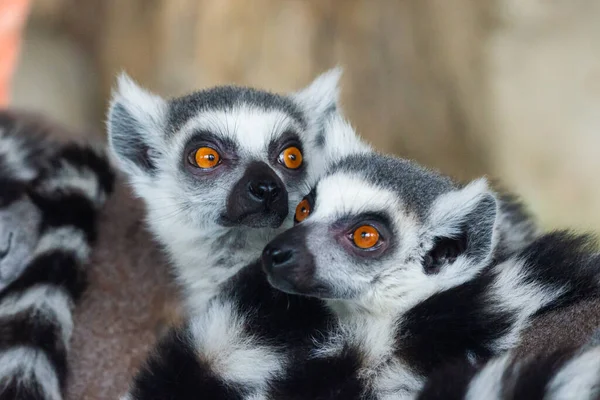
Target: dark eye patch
<point>287,139</point>
<point>226,147</point>
<point>311,197</point>
<point>345,226</point>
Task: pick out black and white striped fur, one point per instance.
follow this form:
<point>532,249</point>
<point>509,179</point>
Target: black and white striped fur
<point>49,204</point>
<point>381,339</point>
<point>567,373</point>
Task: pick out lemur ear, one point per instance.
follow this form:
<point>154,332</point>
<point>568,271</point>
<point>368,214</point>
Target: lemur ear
<point>136,123</point>
<point>462,223</point>
<point>320,98</point>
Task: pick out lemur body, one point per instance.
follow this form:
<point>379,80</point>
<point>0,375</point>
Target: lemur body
<point>360,327</point>
<point>266,148</point>
<point>48,207</point>
<point>566,373</point>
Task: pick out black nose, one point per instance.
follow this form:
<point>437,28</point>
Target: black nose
<point>265,191</point>
<point>274,257</point>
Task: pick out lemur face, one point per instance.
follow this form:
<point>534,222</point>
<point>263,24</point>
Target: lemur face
<point>379,229</point>
<point>229,156</point>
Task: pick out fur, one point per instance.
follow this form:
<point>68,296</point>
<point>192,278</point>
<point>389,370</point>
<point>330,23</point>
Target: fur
<point>187,209</point>
<point>566,373</point>
<point>375,325</point>
<point>49,213</point>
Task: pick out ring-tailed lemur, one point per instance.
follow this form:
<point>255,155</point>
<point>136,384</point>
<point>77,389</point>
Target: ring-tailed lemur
<point>258,342</point>
<point>49,200</point>
<point>564,374</point>
<point>220,168</point>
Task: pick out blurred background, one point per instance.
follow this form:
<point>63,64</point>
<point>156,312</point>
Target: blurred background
<point>507,88</point>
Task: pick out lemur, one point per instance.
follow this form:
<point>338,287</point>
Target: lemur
<point>332,320</point>
<point>566,373</point>
<point>49,201</point>
<point>219,169</point>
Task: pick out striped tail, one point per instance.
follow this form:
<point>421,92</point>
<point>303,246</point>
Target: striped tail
<point>562,375</point>
<point>35,307</point>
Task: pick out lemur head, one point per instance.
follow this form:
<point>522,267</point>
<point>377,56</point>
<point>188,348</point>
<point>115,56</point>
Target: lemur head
<point>378,230</point>
<point>223,157</point>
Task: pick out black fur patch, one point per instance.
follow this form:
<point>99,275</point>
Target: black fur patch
<point>11,191</point>
<point>533,376</point>
<point>34,329</point>
<point>29,389</point>
<point>449,382</point>
<point>57,268</point>
<point>278,318</point>
<point>564,260</point>
<point>326,378</point>
<point>67,210</point>
<point>445,326</point>
<point>174,371</point>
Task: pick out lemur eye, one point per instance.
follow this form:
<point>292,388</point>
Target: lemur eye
<point>302,211</point>
<point>205,157</point>
<point>291,157</point>
<point>365,237</point>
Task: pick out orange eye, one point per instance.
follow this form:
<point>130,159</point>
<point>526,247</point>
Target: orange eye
<point>365,237</point>
<point>207,157</point>
<point>291,157</point>
<point>302,211</point>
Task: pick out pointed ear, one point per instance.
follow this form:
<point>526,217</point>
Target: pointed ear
<point>322,94</point>
<point>462,223</point>
<point>136,124</point>
<point>319,101</point>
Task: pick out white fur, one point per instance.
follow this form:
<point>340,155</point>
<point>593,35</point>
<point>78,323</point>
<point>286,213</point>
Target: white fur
<point>67,239</point>
<point>578,379</point>
<point>149,112</point>
<point>81,179</point>
<point>220,340</point>
<point>511,292</point>
<point>26,365</point>
<point>250,129</point>
<point>346,193</point>
<point>15,156</point>
<point>321,93</point>
<point>450,209</point>
<point>487,384</point>
<point>396,381</point>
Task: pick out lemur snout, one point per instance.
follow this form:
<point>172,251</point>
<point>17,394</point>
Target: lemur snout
<point>265,191</point>
<point>258,199</point>
<point>277,258</point>
<point>288,263</point>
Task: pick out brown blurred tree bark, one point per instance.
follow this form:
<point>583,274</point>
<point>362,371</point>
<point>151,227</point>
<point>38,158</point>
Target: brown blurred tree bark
<point>413,78</point>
